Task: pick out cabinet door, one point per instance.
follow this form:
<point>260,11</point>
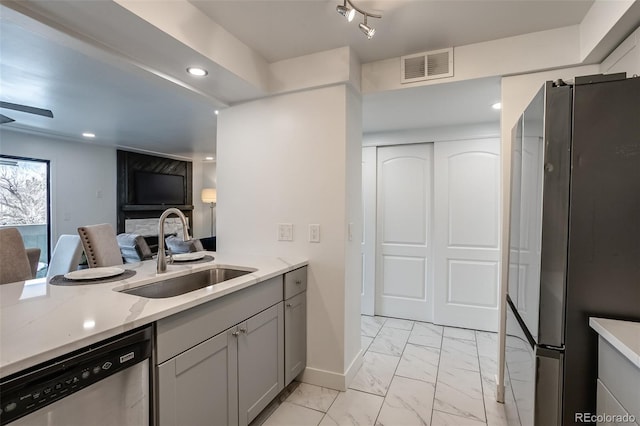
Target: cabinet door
<point>260,361</point>
<point>295,336</point>
<point>200,386</point>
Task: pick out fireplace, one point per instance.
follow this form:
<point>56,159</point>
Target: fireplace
<point>138,218</point>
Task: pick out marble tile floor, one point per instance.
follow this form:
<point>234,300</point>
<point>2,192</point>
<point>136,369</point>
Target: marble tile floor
<point>413,373</point>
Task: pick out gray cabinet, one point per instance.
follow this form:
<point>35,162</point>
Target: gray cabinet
<point>227,379</point>
<point>260,361</point>
<point>295,339</point>
<point>618,397</point>
<point>223,362</point>
<point>295,323</point>
<point>200,386</point>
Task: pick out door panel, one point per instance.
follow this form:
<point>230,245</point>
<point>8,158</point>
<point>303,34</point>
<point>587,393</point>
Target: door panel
<point>403,253</point>
<point>467,233</point>
<point>200,385</point>
<point>295,336</point>
<point>472,283</point>
<point>404,199</point>
<point>260,361</point>
<point>471,181</point>
<point>404,277</point>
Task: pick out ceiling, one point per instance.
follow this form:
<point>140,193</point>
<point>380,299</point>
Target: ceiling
<point>280,29</point>
<point>129,106</point>
<point>122,106</point>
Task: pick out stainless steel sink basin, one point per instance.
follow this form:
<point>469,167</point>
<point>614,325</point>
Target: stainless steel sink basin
<point>186,283</point>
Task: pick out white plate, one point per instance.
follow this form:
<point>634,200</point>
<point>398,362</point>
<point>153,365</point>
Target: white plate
<point>94,273</point>
<point>185,257</point>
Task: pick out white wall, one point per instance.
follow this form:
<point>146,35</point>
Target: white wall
<point>295,158</point>
<point>625,58</point>
<point>524,53</point>
<point>315,70</point>
<point>605,25</point>
<point>78,172</point>
<point>432,134</point>
<point>353,231</point>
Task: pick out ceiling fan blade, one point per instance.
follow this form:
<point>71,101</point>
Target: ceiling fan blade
<point>4,119</point>
<point>27,109</point>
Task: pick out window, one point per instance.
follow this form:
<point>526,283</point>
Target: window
<point>24,202</point>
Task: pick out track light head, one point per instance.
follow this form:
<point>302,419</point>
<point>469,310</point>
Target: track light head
<point>367,30</point>
<point>348,9</point>
<point>349,14</point>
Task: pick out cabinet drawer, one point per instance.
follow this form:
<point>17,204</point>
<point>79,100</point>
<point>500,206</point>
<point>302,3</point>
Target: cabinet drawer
<point>295,282</point>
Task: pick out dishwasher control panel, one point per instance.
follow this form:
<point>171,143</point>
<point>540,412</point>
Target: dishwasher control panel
<point>51,382</point>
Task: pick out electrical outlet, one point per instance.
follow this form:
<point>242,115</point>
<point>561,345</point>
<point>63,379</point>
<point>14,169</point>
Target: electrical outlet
<point>285,232</point>
<point>314,233</point>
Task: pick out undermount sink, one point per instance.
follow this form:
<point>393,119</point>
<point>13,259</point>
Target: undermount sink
<point>186,283</point>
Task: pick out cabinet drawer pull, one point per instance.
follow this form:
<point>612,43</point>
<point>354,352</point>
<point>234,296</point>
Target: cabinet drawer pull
<point>236,333</point>
<point>298,282</point>
<point>243,330</point>
<point>288,305</point>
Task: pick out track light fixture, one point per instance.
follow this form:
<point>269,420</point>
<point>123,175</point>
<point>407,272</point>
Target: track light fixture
<point>348,10</point>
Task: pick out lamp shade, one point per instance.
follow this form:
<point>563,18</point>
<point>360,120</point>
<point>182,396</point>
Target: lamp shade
<point>209,195</point>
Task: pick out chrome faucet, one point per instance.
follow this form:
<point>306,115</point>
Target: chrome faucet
<point>162,258</point>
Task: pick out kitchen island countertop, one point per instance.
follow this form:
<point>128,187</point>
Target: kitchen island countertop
<point>622,335</point>
<point>40,321</point>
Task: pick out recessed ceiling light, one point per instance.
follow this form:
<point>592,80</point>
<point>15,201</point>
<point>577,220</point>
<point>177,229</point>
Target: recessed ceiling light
<point>497,105</point>
<point>216,112</point>
<point>198,72</point>
<point>208,158</point>
<point>89,135</point>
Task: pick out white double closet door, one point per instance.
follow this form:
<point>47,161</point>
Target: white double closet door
<point>435,232</point>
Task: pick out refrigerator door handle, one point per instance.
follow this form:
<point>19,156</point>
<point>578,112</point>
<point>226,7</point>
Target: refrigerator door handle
<point>549,384</point>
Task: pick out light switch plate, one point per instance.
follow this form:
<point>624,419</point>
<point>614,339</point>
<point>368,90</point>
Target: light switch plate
<point>314,233</point>
<point>285,232</point>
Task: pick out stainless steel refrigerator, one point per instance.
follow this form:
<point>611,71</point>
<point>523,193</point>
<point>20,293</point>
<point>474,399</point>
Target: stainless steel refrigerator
<point>574,242</point>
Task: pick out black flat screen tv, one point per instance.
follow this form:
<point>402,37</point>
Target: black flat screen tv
<point>159,188</point>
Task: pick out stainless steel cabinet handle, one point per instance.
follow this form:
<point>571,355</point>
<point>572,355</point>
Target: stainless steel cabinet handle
<point>298,282</point>
<point>243,330</point>
<point>236,333</point>
<point>288,305</point>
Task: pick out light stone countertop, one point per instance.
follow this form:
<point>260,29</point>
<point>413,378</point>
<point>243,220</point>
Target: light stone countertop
<point>622,335</point>
<point>39,321</point>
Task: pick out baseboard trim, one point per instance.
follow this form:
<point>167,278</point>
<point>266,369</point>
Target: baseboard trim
<point>330,379</point>
<point>353,368</point>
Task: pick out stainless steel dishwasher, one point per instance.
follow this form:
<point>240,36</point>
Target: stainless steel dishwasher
<point>103,384</point>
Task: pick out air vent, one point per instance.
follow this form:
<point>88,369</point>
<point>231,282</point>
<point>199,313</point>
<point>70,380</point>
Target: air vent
<point>427,65</point>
